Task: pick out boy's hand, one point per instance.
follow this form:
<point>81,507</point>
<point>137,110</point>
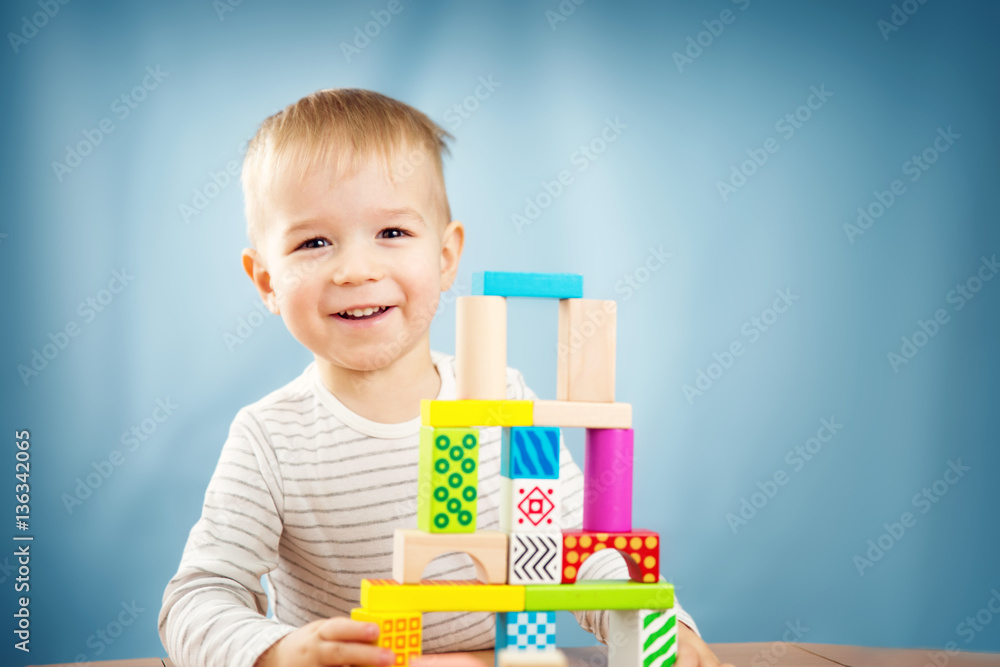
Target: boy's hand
<point>692,651</point>
<point>331,641</point>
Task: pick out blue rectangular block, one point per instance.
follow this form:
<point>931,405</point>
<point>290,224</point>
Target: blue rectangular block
<point>530,452</point>
<point>525,630</point>
<point>543,285</point>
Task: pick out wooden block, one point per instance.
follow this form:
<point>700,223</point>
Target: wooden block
<point>641,549</point>
<point>530,505</point>
<point>400,632</point>
<point>535,558</point>
<point>440,595</point>
<point>585,368</point>
<point>481,348</point>
<point>598,594</point>
<point>512,657</point>
<point>607,480</point>
<point>543,285</point>
<point>476,413</point>
<point>526,630</point>
<point>414,549</point>
<point>643,637</point>
<point>582,415</point>
<point>530,451</point>
<point>448,480</point>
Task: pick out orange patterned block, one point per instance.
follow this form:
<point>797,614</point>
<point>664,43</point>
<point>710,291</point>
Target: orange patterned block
<point>641,549</point>
<point>400,632</point>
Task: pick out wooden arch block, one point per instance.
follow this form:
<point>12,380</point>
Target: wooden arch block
<point>414,549</point>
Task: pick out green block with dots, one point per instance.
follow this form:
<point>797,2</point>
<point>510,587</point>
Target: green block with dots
<point>448,480</point>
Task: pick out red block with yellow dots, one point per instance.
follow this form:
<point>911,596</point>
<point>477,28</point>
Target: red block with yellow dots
<point>399,631</point>
<point>641,549</point>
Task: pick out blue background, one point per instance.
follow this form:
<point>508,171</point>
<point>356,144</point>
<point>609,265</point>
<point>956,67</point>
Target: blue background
<point>686,124</point>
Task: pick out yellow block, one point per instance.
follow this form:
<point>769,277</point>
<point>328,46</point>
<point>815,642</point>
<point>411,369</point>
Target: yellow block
<point>475,413</point>
<point>400,632</point>
<point>436,595</point>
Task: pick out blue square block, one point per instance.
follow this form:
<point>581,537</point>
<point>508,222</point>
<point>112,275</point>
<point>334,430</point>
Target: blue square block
<point>542,285</point>
<point>529,452</point>
<point>526,630</point>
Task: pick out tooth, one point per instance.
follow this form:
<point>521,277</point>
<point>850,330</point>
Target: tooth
<point>368,311</point>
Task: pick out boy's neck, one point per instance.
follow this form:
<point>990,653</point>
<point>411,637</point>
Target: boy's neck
<point>389,395</point>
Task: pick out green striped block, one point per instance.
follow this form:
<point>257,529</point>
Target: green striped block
<point>659,638</point>
<point>647,638</point>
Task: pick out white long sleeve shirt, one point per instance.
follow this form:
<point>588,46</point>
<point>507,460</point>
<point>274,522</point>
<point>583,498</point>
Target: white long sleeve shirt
<point>308,493</point>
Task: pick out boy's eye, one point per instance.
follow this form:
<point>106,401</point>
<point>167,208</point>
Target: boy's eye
<point>393,233</point>
<point>318,242</point>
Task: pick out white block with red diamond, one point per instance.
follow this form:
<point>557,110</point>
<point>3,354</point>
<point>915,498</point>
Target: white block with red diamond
<point>530,505</point>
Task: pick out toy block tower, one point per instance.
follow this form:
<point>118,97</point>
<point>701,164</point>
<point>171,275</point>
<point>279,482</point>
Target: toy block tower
<point>528,570</point>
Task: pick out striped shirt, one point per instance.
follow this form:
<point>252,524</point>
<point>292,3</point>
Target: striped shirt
<point>307,494</point>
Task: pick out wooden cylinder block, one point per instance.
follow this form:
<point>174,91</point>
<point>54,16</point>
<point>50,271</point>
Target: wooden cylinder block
<point>481,348</point>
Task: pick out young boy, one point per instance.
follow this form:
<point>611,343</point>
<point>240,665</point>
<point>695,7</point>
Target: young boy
<point>353,244</point>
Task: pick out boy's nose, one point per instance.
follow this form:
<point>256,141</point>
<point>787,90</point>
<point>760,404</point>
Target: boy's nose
<point>356,266</point>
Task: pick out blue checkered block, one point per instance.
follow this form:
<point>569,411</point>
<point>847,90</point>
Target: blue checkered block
<point>526,630</point>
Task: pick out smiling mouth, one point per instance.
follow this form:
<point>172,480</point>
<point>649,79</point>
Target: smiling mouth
<point>362,313</point>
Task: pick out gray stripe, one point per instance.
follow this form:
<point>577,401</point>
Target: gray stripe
<point>229,510</point>
<point>242,482</point>
<point>302,426</point>
<point>338,556</point>
<point>312,586</point>
<point>275,408</point>
<point>354,492</point>
<point>212,522</point>
<point>368,471</point>
<point>221,492</point>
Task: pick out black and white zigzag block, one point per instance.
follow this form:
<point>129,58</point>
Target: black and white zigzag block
<point>535,558</point>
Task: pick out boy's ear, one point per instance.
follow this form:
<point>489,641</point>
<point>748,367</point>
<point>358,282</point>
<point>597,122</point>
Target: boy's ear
<point>253,264</point>
<point>452,243</point>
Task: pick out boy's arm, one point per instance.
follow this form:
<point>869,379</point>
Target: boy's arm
<point>214,608</point>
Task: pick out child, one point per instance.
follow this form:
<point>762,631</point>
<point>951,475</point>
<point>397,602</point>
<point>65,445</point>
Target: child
<point>353,244</point>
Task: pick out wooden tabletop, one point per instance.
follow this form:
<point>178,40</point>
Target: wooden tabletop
<point>772,654</point>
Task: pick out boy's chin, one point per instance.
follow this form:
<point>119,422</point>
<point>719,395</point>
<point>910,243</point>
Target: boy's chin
<point>362,362</point>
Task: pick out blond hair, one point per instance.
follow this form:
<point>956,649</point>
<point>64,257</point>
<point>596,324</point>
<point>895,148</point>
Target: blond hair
<point>340,129</point>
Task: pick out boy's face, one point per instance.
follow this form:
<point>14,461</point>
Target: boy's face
<point>333,249</point>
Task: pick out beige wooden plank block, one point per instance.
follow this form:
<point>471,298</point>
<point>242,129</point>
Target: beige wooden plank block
<point>585,367</point>
<point>582,415</point>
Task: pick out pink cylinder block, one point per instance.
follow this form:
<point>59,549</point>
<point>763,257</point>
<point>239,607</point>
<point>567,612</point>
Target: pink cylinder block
<point>607,480</point>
